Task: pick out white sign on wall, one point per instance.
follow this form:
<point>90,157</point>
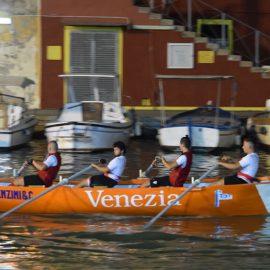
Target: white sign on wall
<point>180,55</point>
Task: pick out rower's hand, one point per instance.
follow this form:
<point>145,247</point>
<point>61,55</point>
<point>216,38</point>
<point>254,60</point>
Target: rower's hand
<point>26,163</point>
<point>94,165</point>
<point>156,161</point>
<point>163,160</point>
<point>226,158</point>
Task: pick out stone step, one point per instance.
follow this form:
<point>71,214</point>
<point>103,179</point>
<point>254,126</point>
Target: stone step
<point>256,69</point>
<point>166,22</point>
<point>266,68</point>
<point>234,57</point>
<point>223,52</point>
<point>201,39</point>
<point>189,34</point>
<point>212,46</point>
<point>246,64</point>
<point>180,28</point>
<point>155,16</point>
<point>266,75</point>
<point>144,9</point>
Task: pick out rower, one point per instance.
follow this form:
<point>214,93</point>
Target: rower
<point>111,173</point>
<point>47,170</point>
<point>180,168</point>
<point>248,166</point>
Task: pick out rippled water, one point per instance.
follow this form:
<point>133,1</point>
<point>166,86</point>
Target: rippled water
<point>113,242</point>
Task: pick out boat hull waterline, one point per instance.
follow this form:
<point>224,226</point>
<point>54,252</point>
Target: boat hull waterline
<point>87,136</point>
<point>17,135</point>
<point>220,138</point>
<point>233,200</point>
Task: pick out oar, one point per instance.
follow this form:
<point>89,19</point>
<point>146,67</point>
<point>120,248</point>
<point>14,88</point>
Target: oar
<point>63,182</point>
<point>149,168</point>
<point>17,173</point>
<point>195,183</point>
<point>143,174</point>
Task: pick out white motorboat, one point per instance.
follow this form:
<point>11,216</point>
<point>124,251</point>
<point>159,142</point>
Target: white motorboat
<point>89,125</point>
<point>208,127</point>
<point>16,124</point>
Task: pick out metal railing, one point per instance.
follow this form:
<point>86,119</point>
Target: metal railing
<point>247,41</point>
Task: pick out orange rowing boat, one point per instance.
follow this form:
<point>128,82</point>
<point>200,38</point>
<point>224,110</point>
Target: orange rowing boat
<point>127,199</point>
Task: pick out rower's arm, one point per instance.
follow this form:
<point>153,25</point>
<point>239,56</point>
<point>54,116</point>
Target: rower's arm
<point>231,166</point>
<point>40,166</point>
<point>228,159</point>
<point>103,169</point>
<point>169,164</point>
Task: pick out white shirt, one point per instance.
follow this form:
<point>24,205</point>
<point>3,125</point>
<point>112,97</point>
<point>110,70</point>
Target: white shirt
<point>182,161</point>
<point>50,161</point>
<point>250,165</point>
<point>116,167</point>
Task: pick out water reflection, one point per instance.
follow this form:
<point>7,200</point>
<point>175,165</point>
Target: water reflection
<point>102,241</point>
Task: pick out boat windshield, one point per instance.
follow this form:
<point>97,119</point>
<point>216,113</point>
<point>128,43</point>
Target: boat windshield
<point>92,111</point>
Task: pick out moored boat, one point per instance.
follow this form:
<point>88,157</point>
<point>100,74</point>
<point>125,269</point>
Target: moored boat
<point>16,124</point>
<point>259,126</point>
<point>127,199</point>
<point>89,125</point>
<point>209,127</point>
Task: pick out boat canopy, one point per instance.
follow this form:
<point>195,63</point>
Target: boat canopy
<point>218,78</point>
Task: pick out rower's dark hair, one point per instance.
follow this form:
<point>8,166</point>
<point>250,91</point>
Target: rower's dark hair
<point>251,141</point>
<point>120,145</point>
<point>186,141</point>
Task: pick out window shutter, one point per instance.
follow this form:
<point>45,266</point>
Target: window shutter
<point>94,52</point>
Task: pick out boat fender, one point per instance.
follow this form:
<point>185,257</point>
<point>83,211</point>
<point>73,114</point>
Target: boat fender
<point>263,130</point>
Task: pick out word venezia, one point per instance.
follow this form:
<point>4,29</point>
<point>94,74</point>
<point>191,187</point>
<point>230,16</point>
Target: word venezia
<point>15,194</point>
<point>135,200</point>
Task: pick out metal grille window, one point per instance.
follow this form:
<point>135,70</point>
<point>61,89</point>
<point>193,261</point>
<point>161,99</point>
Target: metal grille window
<point>94,53</point>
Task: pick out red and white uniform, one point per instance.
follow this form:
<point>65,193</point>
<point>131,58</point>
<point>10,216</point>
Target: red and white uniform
<point>250,165</point>
<point>116,167</point>
<point>53,163</point>
<point>179,174</point>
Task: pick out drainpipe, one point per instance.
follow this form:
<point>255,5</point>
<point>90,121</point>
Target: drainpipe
<point>257,48</point>
<point>223,31</point>
<point>189,15</point>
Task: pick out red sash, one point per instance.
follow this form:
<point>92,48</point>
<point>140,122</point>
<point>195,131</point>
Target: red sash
<point>248,177</point>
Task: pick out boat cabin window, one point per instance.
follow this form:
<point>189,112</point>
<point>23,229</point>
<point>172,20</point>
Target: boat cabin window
<point>92,111</point>
<point>14,115</point>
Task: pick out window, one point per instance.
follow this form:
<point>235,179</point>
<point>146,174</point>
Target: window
<point>180,55</point>
<point>217,31</point>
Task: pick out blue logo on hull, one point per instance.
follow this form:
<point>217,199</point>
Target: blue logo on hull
<point>220,196</point>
